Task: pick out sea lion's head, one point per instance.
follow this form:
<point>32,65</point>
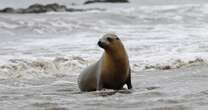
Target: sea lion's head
<point>110,42</point>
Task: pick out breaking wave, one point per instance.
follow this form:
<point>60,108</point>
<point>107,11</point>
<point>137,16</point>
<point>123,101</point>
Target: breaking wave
<point>26,69</point>
<point>64,66</point>
<point>176,64</point>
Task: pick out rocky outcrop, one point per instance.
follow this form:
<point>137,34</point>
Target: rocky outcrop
<point>106,1</point>
<point>8,10</point>
<point>39,8</point>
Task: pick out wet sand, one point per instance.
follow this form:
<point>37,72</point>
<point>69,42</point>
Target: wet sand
<point>176,89</point>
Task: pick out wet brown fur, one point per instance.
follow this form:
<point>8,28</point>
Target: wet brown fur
<point>114,68</point>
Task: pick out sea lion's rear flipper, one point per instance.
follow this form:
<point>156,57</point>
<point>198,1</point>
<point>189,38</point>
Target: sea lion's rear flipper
<point>128,81</point>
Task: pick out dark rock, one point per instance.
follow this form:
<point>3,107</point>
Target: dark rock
<point>36,8</point>
<point>106,1</point>
<point>39,8</point>
<point>8,10</point>
<point>55,7</point>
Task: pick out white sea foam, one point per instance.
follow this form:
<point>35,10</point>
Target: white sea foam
<point>27,69</point>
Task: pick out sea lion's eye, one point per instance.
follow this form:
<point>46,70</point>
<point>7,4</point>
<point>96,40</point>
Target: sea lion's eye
<point>109,39</point>
<point>117,38</point>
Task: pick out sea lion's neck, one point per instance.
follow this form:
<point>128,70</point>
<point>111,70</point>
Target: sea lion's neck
<point>115,65</point>
<point>118,58</point>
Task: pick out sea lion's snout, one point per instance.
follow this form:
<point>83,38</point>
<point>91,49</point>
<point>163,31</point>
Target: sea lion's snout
<point>104,42</point>
<point>101,44</point>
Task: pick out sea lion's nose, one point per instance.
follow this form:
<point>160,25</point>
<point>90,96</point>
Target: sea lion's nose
<point>100,43</point>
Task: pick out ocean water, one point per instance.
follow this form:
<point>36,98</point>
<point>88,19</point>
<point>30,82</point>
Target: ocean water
<point>41,56</point>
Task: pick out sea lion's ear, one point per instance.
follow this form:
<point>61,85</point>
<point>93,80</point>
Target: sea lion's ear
<point>117,38</point>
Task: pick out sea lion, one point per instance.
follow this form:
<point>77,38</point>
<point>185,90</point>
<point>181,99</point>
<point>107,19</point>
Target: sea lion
<point>111,71</point>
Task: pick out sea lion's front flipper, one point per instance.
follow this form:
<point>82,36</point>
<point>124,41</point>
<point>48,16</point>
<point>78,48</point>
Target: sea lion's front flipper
<point>128,81</point>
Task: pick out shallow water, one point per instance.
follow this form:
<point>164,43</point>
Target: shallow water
<point>41,56</point>
<point>184,89</point>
